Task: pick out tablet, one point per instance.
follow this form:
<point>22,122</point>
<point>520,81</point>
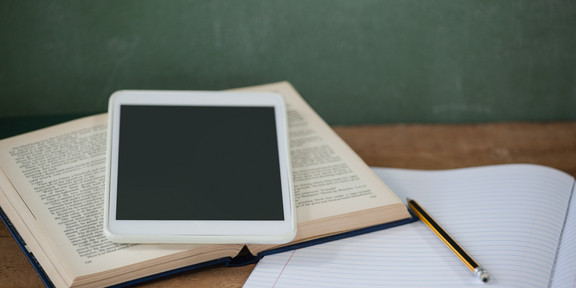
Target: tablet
<point>198,167</point>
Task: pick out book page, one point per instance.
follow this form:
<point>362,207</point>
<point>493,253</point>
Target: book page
<point>508,218</point>
<point>329,178</point>
<point>55,181</point>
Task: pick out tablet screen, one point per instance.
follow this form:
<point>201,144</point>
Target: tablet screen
<point>198,163</point>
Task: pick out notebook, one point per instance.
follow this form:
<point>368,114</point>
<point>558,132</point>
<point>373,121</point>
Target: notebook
<point>516,221</point>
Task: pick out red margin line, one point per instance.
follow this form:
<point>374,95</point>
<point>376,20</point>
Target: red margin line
<point>285,264</point>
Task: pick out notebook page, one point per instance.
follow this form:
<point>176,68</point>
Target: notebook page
<point>507,217</point>
<point>565,269</point>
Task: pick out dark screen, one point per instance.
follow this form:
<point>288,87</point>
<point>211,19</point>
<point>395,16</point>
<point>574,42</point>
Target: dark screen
<point>198,163</point>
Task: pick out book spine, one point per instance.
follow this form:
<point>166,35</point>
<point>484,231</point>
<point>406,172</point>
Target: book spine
<point>221,261</point>
<point>338,236</point>
<point>45,279</point>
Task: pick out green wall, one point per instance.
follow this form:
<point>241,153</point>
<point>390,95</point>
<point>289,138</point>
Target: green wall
<point>355,61</point>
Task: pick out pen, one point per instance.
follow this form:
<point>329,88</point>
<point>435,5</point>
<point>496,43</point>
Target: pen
<point>462,255</point>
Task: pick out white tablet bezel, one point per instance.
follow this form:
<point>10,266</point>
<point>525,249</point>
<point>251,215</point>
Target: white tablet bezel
<point>184,231</point>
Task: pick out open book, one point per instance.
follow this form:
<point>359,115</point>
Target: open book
<point>516,221</point>
<point>52,191</point>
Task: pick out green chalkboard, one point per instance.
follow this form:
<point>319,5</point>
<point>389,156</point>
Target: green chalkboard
<point>355,61</point>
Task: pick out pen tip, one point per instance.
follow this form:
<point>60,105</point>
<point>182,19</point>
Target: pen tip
<point>482,274</point>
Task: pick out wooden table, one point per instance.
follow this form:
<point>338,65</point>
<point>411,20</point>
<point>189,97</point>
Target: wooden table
<point>399,146</point>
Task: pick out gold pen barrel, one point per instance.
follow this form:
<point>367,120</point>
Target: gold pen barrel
<point>481,273</point>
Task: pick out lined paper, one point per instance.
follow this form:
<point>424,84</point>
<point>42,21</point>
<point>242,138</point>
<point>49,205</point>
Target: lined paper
<point>509,218</point>
<point>565,269</point>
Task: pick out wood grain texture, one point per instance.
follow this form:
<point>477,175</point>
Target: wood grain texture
<point>399,146</point>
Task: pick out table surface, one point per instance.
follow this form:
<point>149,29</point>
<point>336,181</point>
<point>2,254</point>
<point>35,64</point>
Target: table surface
<point>413,146</point>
